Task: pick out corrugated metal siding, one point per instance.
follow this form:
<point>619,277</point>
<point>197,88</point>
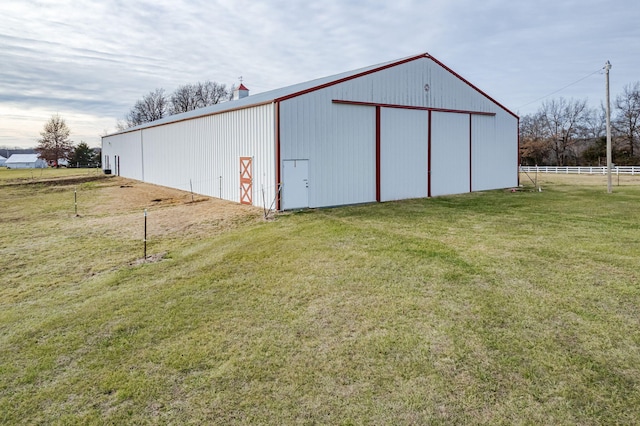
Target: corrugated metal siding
<point>405,85</point>
<point>403,153</point>
<point>203,153</point>
<point>129,148</point>
<point>314,128</point>
<point>485,170</point>
<point>339,141</point>
<point>504,153</point>
<point>449,153</point>
<point>493,152</point>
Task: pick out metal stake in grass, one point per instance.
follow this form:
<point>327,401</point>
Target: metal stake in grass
<point>191,186</point>
<point>75,200</point>
<point>145,234</point>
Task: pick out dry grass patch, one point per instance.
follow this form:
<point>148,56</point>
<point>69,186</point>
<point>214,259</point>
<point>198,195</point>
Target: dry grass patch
<point>119,211</point>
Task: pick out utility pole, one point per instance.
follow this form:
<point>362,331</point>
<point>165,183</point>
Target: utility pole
<point>607,67</point>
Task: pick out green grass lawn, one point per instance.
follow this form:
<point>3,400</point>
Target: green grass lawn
<point>483,308</point>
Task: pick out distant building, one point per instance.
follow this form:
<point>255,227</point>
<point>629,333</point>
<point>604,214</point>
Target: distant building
<point>25,161</point>
<point>408,128</point>
<point>2,161</point>
<point>7,152</point>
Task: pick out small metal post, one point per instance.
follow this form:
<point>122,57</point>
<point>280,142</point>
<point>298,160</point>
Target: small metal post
<point>191,187</point>
<point>75,201</point>
<point>145,234</point>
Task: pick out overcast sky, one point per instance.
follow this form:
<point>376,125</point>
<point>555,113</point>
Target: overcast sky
<point>89,61</point>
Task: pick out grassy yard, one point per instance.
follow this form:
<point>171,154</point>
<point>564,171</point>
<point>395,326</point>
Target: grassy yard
<point>485,308</point>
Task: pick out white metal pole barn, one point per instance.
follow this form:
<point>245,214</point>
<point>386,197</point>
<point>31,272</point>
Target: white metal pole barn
<point>408,128</point>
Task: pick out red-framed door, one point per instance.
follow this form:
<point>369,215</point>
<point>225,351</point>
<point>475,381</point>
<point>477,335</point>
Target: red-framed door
<point>246,180</point>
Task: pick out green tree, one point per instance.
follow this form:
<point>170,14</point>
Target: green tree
<point>54,145</point>
<point>82,156</point>
<point>97,157</point>
<point>596,153</point>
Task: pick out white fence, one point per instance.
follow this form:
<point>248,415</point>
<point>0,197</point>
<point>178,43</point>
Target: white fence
<point>617,170</point>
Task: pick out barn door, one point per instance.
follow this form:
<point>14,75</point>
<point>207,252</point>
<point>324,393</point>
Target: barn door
<point>295,188</point>
<point>246,180</point>
<point>404,142</point>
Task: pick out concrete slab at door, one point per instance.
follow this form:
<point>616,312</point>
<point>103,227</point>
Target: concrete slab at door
<point>295,186</point>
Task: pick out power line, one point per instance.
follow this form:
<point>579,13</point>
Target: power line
<point>561,89</point>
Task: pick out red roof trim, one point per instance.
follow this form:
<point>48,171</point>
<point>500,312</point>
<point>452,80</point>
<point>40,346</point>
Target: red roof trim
<point>373,104</point>
<point>242,87</point>
<point>342,80</point>
<point>471,85</point>
<point>391,65</point>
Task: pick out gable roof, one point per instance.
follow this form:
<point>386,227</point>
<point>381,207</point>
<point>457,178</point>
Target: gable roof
<point>22,158</point>
<point>292,91</point>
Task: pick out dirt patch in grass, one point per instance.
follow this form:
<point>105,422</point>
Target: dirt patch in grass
<point>62,181</point>
<point>151,258</point>
<point>120,208</point>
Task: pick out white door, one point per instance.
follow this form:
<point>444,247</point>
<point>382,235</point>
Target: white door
<point>404,144</point>
<point>295,184</point>
<point>450,153</point>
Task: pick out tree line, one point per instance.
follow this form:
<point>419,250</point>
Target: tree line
<point>156,104</point>
<point>569,133</point>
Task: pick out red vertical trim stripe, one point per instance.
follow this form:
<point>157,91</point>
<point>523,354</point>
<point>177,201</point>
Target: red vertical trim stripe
<point>378,148</point>
<point>470,157</point>
<point>429,156</point>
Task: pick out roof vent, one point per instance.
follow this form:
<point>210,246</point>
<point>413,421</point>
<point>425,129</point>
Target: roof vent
<point>240,92</point>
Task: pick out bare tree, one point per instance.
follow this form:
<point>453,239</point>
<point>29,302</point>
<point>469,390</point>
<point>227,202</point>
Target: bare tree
<point>595,123</point>
<point>155,105</point>
<point>55,144</point>
<point>563,120</point>
<point>627,120</point>
<point>151,107</point>
<point>184,99</point>
<point>534,144</point>
<point>193,96</point>
<point>212,93</point>
<point>120,125</point>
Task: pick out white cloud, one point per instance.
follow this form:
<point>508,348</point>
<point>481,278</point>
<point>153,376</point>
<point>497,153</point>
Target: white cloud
<point>94,58</point>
